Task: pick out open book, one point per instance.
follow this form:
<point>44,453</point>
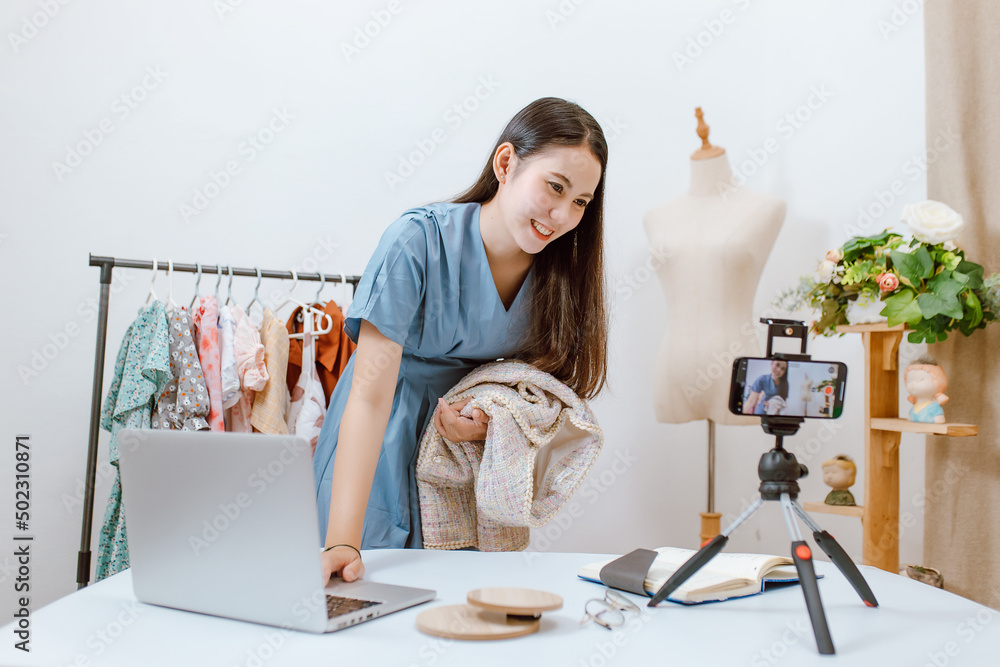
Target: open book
<point>725,576</point>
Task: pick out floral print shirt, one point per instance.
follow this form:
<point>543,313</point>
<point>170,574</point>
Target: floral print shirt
<point>142,371</point>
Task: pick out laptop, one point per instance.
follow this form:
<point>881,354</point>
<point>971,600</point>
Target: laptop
<point>226,524</point>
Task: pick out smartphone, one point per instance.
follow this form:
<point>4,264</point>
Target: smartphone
<point>810,389</point>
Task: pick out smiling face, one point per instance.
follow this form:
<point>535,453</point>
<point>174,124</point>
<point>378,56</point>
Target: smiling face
<point>838,477</point>
<point>778,369</point>
<point>920,384</point>
<point>544,196</point>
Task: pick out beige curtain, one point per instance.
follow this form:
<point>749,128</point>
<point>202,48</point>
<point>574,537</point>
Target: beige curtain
<point>962,486</point>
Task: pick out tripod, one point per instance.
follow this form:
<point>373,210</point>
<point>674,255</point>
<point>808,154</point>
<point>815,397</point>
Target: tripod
<point>779,471</point>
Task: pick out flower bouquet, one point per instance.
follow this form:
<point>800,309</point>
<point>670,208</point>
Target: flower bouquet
<point>924,282</point>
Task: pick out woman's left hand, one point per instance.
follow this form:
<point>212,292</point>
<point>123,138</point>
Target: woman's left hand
<point>457,428</point>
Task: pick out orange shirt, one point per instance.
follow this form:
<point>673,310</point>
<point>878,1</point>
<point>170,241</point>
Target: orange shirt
<point>333,350</point>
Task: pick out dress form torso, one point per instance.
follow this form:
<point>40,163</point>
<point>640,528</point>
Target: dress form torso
<point>709,246</point>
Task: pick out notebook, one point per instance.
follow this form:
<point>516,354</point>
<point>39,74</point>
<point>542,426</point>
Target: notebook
<point>226,524</point>
<point>727,575</point>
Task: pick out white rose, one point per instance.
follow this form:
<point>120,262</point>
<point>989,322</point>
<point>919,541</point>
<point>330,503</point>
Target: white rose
<point>932,222</point>
<point>826,271</point>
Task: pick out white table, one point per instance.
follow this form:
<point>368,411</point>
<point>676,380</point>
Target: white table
<point>916,625</point>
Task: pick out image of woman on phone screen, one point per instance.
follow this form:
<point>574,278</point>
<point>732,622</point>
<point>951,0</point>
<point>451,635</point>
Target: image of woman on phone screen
<point>769,392</point>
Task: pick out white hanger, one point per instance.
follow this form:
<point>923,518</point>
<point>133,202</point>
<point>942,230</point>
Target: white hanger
<point>257,321</point>
<point>152,294</point>
<point>288,297</point>
<point>322,284</point>
<point>171,304</point>
<point>229,289</point>
<point>218,270</point>
<point>197,282</point>
<point>255,288</point>
<point>316,328</point>
<point>305,307</point>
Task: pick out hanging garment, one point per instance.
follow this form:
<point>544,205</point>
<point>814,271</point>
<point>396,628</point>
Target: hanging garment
<point>331,351</point>
<point>429,288</point>
<point>206,326</point>
<point>308,407</point>
<point>270,404</point>
<point>250,369</point>
<point>183,404</point>
<point>541,442</point>
<point>142,370</point>
<point>227,358</point>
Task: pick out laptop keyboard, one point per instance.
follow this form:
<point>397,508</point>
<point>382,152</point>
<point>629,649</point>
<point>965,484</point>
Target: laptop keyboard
<point>338,606</point>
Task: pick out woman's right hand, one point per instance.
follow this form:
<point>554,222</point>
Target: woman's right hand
<point>344,561</point>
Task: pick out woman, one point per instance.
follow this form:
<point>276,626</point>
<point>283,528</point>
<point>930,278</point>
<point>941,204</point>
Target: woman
<point>511,268</point>
<point>766,387</point>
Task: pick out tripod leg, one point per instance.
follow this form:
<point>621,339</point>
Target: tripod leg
<point>839,557</point>
<point>705,554</point>
<point>802,555</point>
<point>807,577</point>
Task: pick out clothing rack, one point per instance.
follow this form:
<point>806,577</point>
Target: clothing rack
<point>107,264</point>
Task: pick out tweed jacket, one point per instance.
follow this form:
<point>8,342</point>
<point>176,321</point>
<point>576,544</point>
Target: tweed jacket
<point>541,442</point>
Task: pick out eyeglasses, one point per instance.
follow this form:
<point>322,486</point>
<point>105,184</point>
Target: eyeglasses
<point>608,612</point>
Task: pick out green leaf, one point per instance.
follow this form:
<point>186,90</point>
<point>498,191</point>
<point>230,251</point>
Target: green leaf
<point>914,266</point>
<point>976,308</point>
<point>859,245</point>
<point>929,331</point>
<point>859,272</point>
<point>932,303</point>
<point>917,335</point>
<point>944,285</point>
<point>902,307</point>
<point>831,315</point>
<point>950,260</point>
<point>970,273</point>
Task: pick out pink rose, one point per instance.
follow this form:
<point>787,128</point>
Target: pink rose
<point>887,282</point>
<point>834,256</point>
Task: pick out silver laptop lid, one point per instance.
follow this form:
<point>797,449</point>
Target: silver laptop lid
<point>224,524</point>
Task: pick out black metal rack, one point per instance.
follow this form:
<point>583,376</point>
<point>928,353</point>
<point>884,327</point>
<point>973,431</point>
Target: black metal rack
<point>107,264</point>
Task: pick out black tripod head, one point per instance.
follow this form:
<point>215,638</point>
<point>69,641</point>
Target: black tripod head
<point>779,472</point>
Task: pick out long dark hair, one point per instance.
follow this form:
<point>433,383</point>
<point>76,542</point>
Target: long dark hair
<point>568,331</point>
<point>782,384</point>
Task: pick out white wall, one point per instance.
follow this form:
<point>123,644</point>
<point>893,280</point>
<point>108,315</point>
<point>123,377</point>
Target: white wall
<point>84,77</point>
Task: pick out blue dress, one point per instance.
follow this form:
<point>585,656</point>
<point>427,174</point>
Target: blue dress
<point>428,287</point>
<point>766,384</point>
<point>927,414</point>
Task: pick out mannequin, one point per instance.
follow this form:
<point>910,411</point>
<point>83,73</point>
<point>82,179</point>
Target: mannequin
<point>709,246</point>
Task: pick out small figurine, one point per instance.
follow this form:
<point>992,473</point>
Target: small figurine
<point>926,382</point>
<point>927,575</point>
<point>839,473</point>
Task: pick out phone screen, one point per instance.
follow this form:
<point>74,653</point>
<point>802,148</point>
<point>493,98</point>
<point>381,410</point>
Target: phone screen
<point>811,389</point>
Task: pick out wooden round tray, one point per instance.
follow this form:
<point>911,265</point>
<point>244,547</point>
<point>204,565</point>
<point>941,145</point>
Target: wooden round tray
<point>463,621</point>
<point>515,601</point>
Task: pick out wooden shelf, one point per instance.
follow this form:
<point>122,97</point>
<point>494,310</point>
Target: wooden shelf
<point>883,433</point>
<point>906,426</point>
<point>843,510</point>
<point>862,328</point>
